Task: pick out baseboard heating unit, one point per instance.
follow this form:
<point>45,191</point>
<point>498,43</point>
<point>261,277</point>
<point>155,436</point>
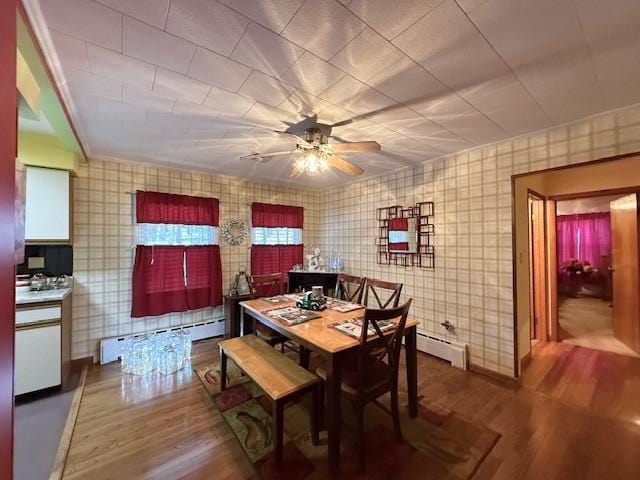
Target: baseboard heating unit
<point>110,347</point>
<point>453,352</point>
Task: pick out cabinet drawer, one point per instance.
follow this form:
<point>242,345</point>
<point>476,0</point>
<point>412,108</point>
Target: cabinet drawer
<point>40,314</point>
<point>37,359</point>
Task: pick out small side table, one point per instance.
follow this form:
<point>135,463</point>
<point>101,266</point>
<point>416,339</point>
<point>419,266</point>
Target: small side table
<point>232,316</point>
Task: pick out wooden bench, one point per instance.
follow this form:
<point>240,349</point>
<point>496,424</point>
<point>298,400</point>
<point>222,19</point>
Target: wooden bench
<point>279,377</point>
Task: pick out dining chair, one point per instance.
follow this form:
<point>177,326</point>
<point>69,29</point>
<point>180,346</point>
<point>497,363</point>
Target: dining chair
<point>350,288</point>
<point>267,286</point>
<point>375,287</point>
<point>374,369</point>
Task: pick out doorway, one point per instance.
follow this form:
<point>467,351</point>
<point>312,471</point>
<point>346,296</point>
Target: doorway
<point>586,230</point>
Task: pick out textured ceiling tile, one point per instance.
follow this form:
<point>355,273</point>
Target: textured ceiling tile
<point>391,21</point>
<point>449,46</point>
<point>155,46</point>
<point>217,70</point>
<point>228,103</point>
<point>456,115</point>
<point>87,20</point>
<point>406,81</point>
<point>153,12</point>
<point>614,43</point>
<point>268,117</point>
<point>196,111</point>
<point>71,51</point>
<point>109,64</point>
<point>168,120</point>
<point>356,97</point>
<point>146,98</point>
<point>121,110</point>
<point>81,82</point>
<point>302,103</point>
<point>206,23</point>
<point>174,85</point>
<point>312,74</point>
<point>323,27</point>
<point>265,89</point>
<point>505,101</point>
<point>265,51</point>
<point>273,14</point>
<point>367,55</point>
<point>541,41</point>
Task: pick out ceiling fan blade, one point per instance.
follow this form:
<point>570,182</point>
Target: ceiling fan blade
<point>299,139</point>
<point>295,172</point>
<point>344,166</point>
<point>259,156</point>
<point>368,146</point>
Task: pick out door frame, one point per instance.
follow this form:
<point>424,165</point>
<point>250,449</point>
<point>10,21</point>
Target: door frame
<point>542,312</point>
<point>553,251</point>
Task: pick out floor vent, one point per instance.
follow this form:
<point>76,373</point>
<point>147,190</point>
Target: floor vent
<point>453,352</point>
<point>110,347</point>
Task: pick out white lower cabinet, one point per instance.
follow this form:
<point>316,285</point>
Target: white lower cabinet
<point>37,358</point>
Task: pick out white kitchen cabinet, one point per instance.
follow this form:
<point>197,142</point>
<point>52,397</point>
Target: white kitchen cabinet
<point>38,362</point>
<point>48,205</point>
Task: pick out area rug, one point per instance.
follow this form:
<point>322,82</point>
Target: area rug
<point>439,444</point>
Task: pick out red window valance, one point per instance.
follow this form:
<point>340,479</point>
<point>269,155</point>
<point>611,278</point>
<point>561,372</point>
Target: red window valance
<point>156,207</point>
<point>399,224</point>
<point>272,216</point>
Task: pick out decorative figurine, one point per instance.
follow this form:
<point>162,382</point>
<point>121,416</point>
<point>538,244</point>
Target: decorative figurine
<point>316,262</point>
<point>240,285</point>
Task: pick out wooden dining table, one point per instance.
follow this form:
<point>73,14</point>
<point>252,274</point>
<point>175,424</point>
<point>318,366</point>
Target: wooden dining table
<point>318,335</point>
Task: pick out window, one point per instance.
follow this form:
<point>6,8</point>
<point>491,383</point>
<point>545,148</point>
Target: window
<point>276,238</point>
<point>177,265</point>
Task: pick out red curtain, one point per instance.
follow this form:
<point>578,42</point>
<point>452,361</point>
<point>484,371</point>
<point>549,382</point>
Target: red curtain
<point>276,258</point>
<point>271,215</point>
<point>399,246</point>
<point>175,278</point>
<point>155,207</point>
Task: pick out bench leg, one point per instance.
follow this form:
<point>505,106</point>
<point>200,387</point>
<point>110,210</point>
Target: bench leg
<point>278,429</point>
<point>223,370</point>
<point>316,413</point>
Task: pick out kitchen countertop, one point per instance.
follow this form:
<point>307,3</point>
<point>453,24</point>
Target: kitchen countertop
<point>55,295</point>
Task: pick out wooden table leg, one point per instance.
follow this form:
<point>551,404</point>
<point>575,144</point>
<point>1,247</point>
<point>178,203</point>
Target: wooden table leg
<point>304,357</point>
<point>223,370</point>
<point>334,379</point>
<point>411,351</point>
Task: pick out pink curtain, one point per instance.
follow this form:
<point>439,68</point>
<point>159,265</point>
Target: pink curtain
<point>585,236</point>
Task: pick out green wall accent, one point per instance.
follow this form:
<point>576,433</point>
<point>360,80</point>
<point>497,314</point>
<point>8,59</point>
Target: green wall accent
<point>51,107</point>
<point>44,151</point>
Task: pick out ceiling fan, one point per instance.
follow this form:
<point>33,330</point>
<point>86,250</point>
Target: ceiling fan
<point>314,154</point>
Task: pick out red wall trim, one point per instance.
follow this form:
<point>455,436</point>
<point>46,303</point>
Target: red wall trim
<point>8,133</point>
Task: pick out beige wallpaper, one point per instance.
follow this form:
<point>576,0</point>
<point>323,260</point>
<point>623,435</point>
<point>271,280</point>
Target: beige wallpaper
<point>104,239</point>
<point>471,285</point>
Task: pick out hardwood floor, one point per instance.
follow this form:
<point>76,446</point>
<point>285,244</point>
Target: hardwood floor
<point>588,322</point>
<point>575,415</point>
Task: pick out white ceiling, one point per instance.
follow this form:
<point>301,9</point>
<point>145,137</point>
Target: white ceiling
<point>200,82</point>
<point>585,205</point>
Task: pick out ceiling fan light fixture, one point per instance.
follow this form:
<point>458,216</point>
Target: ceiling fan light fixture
<point>312,162</point>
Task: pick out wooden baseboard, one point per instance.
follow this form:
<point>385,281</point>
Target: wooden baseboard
<point>67,433</point>
<point>526,360</point>
<point>499,377</point>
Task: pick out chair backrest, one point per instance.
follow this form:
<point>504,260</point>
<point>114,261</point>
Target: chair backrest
<point>374,288</point>
<point>266,285</point>
<point>350,288</point>
<point>381,348</point>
